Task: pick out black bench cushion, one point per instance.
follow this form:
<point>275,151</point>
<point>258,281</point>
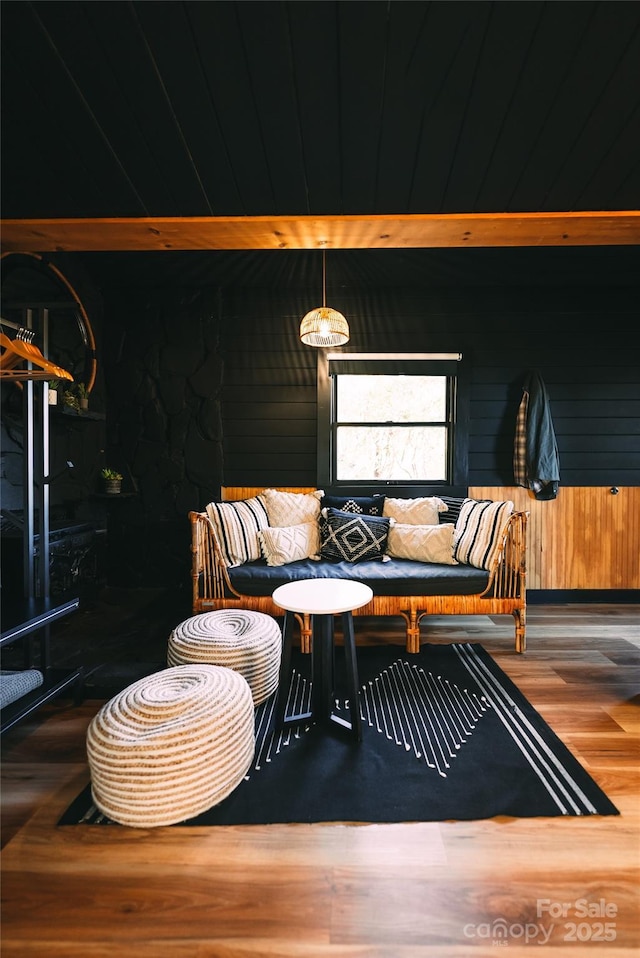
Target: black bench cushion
<point>396,577</point>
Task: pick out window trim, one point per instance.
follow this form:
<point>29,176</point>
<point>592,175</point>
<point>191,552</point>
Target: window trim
<point>444,363</point>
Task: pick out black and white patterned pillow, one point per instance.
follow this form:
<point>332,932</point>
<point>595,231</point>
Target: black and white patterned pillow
<point>362,505</point>
<point>348,537</point>
<point>454,505</point>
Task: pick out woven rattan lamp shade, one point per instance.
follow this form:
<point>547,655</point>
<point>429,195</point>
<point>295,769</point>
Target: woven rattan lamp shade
<point>324,326</point>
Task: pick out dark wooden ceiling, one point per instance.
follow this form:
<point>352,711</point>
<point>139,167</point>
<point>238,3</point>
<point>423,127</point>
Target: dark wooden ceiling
<point>144,108</point>
<point>178,109</point>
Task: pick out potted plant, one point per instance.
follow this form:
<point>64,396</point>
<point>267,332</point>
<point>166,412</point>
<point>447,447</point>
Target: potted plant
<point>83,395</point>
<point>70,398</point>
<point>112,480</point>
<point>76,396</point>
<point>53,391</point>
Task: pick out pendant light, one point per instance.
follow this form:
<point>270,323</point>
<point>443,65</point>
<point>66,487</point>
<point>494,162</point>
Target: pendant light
<point>324,326</point>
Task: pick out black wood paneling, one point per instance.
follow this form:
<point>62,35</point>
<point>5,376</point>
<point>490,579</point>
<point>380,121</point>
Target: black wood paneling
<point>593,379</point>
<point>207,383</point>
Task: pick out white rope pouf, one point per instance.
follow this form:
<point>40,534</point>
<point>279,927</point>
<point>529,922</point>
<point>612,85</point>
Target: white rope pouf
<point>249,642</point>
<point>171,745</point>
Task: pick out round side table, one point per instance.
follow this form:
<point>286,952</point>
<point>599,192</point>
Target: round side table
<point>322,599</point>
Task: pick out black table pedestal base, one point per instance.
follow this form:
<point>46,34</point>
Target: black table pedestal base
<point>323,675</point>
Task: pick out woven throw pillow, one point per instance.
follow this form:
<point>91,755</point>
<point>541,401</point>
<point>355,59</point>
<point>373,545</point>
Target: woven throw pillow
<point>415,512</point>
<point>345,536</point>
<point>422,543</point>
<point>236,525</point>
<point>284,544</point>
<point>478,532</point>
<point>292,508</point>
<point>363,505</point>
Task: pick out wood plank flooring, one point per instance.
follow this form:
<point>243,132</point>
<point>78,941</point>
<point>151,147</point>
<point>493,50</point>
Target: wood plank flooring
<point>345,891</point>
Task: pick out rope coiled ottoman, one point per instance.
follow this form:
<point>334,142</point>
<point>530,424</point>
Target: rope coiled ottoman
<point>171,745</point>
<point>249,642</point>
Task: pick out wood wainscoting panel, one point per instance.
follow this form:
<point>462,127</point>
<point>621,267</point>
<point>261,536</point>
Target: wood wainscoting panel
<point>586,538</point>
<point>235,493</point>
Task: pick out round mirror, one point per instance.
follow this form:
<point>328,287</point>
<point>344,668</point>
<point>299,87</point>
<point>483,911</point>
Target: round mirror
<point>66,338</point>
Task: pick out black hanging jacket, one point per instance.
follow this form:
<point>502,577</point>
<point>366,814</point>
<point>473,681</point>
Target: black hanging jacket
<point>536,464</point>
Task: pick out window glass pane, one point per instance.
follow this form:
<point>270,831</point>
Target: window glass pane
<point>391,398</point>
<point>392,453</point>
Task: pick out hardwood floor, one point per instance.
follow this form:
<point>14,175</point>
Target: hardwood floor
<point>371,891</point>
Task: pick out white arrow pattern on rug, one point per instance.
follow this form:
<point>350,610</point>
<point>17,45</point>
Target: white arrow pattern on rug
<point>422,713</point>
<point>433,719</point>
<point>269,744</point>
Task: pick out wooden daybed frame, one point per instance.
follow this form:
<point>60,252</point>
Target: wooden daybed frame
<point>505,593</point>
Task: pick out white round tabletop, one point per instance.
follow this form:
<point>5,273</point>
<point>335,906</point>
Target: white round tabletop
<point>322,596</point>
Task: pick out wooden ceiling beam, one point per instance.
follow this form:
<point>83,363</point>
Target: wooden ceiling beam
<point>411,231</point>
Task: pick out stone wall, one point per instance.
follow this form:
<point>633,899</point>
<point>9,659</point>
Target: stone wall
<point>164,428</point>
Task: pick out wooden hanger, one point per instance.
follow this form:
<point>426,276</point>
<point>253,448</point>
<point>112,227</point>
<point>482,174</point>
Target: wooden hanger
<point>17,351</point>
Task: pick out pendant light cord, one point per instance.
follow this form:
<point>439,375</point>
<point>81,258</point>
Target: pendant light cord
<point>324,277</point>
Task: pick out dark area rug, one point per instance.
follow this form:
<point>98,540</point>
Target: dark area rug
<point>446,736</point>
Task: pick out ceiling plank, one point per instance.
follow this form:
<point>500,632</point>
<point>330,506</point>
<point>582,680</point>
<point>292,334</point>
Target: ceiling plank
<point>410,231</point>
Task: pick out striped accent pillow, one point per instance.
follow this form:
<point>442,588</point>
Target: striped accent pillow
<point>454,505</point>
<point>478,534</point>
<point>236,525</point>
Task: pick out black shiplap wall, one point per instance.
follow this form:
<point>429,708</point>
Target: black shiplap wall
<point>209,385</point>
<point>585,343</point>
<point>269,392</point>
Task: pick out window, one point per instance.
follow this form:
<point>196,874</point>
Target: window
<point>391,421</point>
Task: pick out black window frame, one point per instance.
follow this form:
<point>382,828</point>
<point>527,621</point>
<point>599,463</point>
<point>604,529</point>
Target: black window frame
<point>453,366</point>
